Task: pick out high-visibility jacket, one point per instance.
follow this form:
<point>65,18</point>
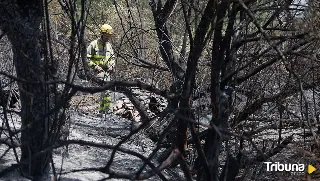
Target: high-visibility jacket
<point>99,54</point>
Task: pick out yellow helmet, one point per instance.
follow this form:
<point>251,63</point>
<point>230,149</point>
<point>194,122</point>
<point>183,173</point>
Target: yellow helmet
<point>106,29</point>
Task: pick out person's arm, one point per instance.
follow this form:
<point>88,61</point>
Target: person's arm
<point>111,59</point>
<point>111,64</point>
<point>90,54</point>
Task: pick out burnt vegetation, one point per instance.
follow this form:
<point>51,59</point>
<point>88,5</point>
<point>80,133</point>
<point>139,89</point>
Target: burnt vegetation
<point>219,86</point>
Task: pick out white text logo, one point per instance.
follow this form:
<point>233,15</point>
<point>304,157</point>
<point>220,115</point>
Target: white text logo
<point>288,167</point>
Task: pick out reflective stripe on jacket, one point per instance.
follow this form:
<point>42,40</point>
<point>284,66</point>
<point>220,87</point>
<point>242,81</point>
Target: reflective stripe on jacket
<point>99,54</point>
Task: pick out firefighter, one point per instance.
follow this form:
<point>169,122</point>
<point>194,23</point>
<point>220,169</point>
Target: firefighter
<point>101,59</point>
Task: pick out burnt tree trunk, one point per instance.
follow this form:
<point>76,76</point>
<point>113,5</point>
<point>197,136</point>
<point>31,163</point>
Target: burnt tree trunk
<point>21,20</point>
<point>213,140</point>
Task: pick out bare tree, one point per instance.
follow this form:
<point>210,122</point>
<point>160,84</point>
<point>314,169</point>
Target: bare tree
<point>21,20</point>
<point>248,58</point>
<point>24,24</point>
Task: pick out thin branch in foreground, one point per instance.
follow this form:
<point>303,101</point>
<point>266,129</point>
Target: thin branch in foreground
<point>185,168</point>
<point>108,85</point>
<point>175,154</point>
<point>277,149</point>
<point>173,157</point>
<point>160,140</point>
